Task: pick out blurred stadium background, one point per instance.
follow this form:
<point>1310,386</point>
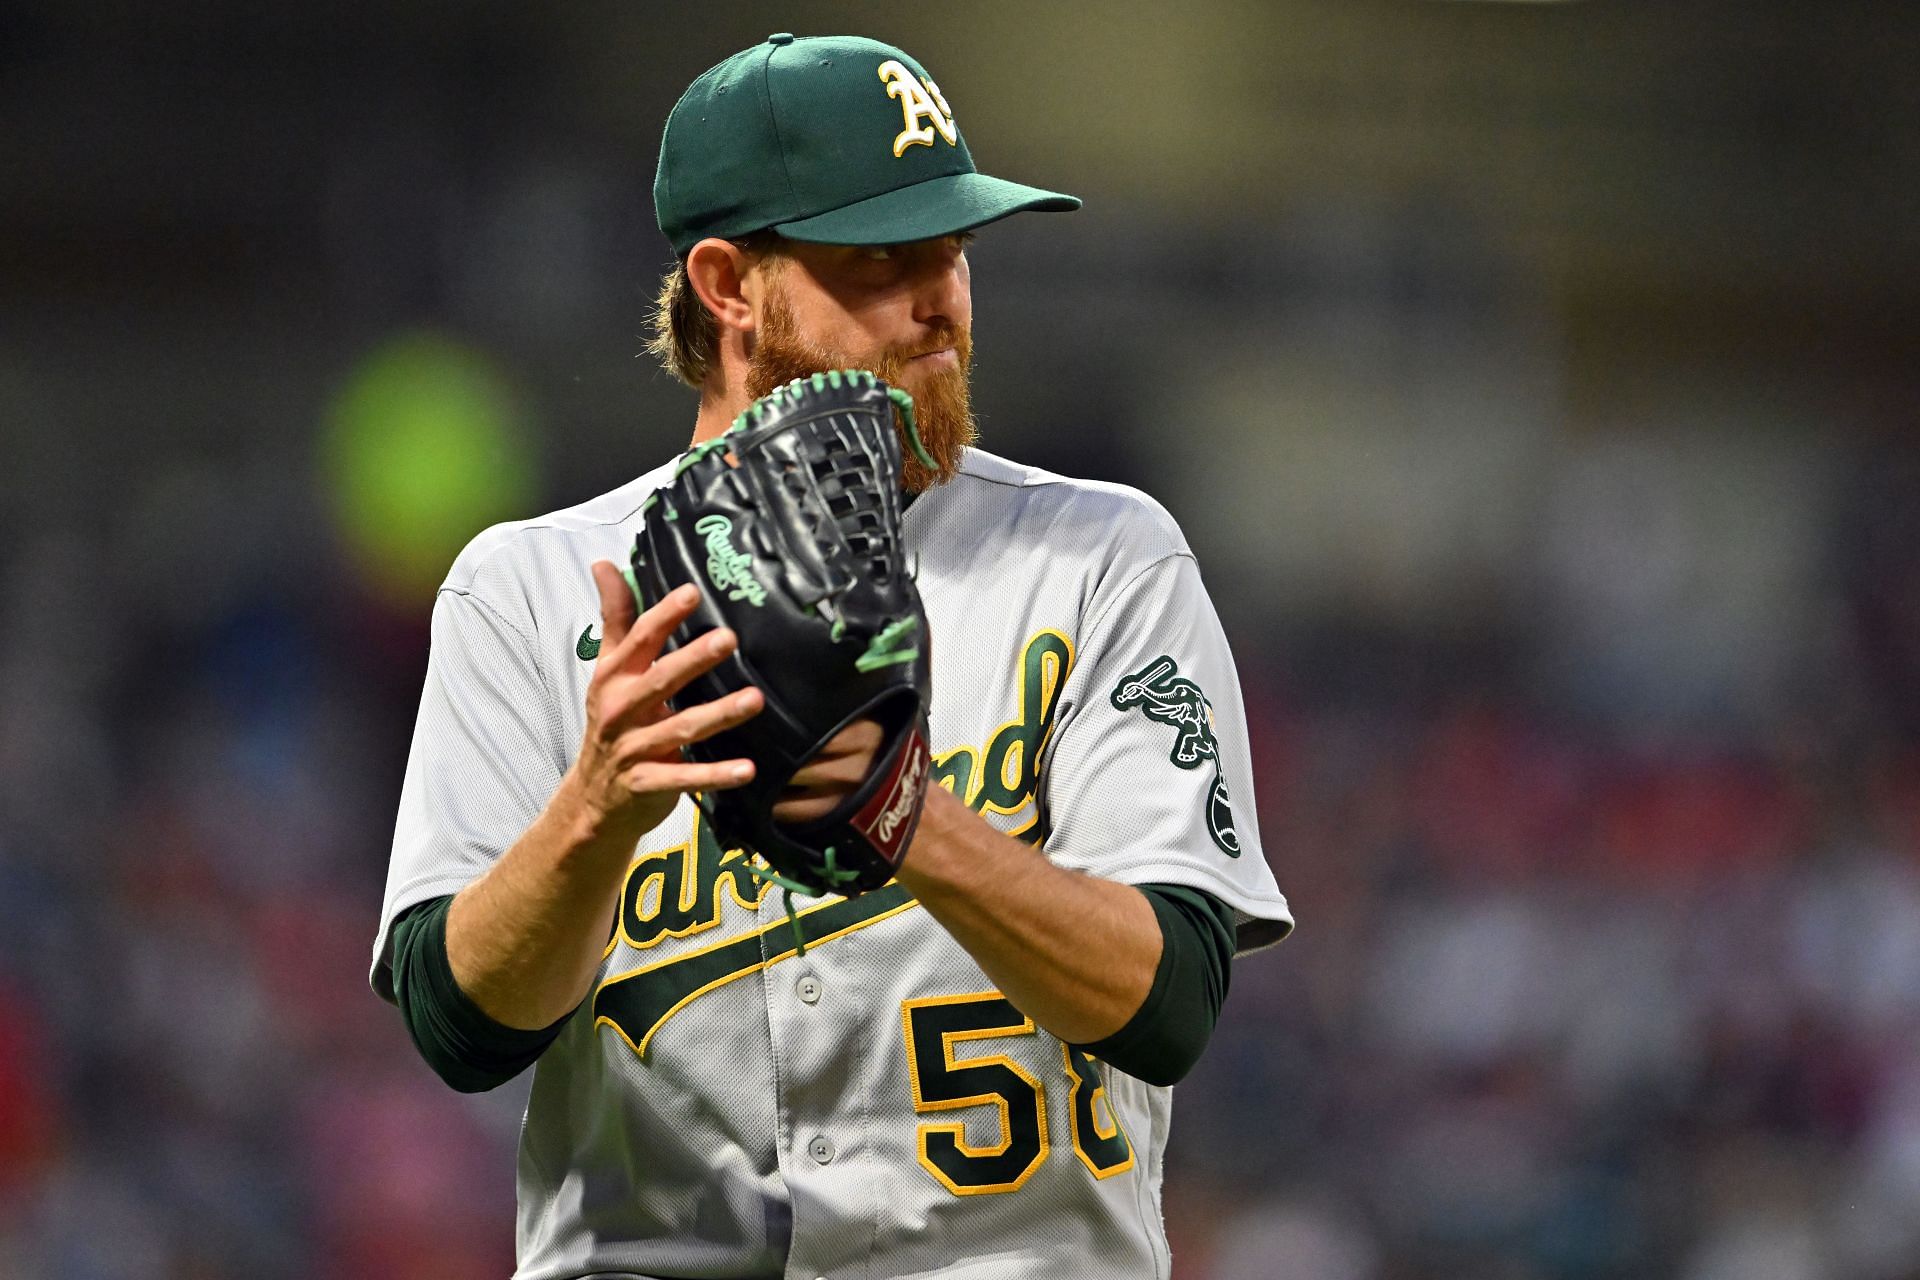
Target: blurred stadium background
<point>1536,382</point>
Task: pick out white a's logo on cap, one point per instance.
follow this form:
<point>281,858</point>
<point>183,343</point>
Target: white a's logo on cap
<point>920,102</point>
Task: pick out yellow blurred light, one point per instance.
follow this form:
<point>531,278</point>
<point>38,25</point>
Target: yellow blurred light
<point>423,446</point>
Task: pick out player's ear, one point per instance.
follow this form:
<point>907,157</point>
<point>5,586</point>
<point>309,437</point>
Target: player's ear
<point>720,273</point>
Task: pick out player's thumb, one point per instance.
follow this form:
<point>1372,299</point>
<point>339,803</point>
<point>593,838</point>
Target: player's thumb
<point>618,608</point>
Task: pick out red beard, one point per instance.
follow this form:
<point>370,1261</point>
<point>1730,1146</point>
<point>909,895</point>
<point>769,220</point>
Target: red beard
<point>942,400</point>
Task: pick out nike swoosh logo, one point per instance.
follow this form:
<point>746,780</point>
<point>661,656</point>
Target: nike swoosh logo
<point>588,648</point>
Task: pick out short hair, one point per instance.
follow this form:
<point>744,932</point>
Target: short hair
<point>686,338</point>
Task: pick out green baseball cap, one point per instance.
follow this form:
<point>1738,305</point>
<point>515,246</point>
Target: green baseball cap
<point>833,139</point>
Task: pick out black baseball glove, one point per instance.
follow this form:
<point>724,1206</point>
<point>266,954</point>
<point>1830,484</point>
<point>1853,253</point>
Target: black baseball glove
<point>789,523</point>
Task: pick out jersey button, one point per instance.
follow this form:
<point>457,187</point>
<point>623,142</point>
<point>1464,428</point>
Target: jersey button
<point>821,1149</point>
<point>808,989</point>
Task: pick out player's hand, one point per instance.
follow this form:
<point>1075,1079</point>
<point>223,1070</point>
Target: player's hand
<point>832,775</point>
<point>629,773</point>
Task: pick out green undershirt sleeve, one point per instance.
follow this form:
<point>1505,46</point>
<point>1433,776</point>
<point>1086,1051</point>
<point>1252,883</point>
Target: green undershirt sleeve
<point>1162,1041</point>
<point>465,1047</point>
<point>1159,1044</point>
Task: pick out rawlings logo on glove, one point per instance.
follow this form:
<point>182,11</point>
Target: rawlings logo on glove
<point>729,570</point>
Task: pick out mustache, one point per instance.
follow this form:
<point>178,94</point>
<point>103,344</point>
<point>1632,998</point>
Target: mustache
<point>948,335</point>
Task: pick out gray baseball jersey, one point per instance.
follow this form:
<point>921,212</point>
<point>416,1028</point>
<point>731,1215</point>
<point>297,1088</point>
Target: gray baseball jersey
<point>721,1106</point>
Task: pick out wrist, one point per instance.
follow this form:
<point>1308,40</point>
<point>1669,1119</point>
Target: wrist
<point>953,848</point>
<point>584,822</point>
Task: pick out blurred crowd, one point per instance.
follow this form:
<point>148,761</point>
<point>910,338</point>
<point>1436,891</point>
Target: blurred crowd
<point>1563,1010</point>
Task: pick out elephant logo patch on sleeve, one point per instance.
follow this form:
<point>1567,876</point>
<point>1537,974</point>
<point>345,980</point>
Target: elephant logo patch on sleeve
<point>1163,694</point>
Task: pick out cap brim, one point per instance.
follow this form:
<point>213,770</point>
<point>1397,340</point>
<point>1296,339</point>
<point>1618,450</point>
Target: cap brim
<point>937,207</point>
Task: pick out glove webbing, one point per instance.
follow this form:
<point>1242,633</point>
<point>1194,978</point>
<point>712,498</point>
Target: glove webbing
<point>750,416</point>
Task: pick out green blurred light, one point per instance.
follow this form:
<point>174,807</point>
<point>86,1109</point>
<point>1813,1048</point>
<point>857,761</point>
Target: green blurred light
<point>423,447</point>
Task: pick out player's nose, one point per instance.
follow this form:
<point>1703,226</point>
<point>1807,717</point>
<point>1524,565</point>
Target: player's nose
<point>943,290</point>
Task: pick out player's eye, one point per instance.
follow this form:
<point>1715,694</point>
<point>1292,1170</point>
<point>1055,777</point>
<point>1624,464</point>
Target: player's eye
<point>878,252</point>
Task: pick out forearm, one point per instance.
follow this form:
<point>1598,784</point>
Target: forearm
<point>1075,953</point>
<point>525,940</point>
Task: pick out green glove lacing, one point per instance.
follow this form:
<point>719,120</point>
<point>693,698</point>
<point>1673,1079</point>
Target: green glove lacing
<point>834,873</point>
<point>904,402</point>
<point>776,400</point>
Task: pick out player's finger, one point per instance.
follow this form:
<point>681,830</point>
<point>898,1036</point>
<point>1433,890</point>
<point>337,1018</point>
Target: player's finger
<point>662,738</point>
<point>846,758</point>
<point>650,630</point>
<point>792,810</point>
<point>618,608</point>
<point>837,771</point>
<point>862,737</point>
<point>634,696</point>
<point>658,776</point>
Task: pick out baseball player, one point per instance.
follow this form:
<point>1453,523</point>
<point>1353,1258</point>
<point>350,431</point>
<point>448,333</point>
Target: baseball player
<point>966,1072</point>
